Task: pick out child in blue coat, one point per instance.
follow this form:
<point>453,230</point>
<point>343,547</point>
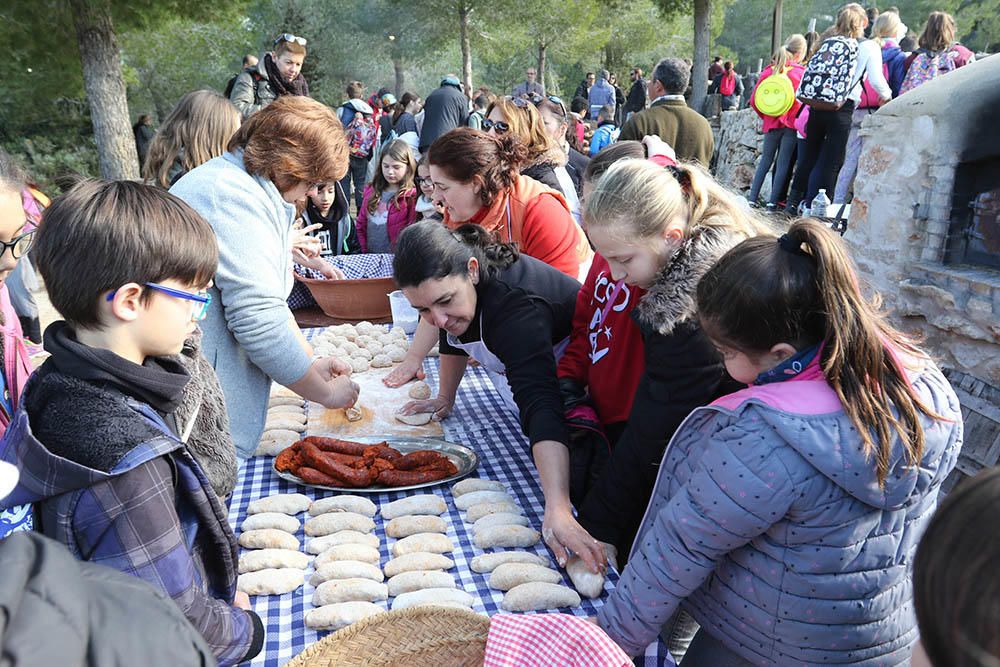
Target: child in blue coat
<point>786,515</point>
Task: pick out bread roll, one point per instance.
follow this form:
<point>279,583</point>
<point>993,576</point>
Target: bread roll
<point>433,543</point>
<point>340,615</point>
<point>404,526</point>
<point>332,522</point>
<point>262,559</point>
<point>407,582</point>
<point>343,503</point>
<point>346,569</point>
<point>272,581</point>
<point>471,484</point>
<point>423,504</point>
<point>318,545</point>
<point>359,552</point>
<point>499,519</point>
<point>477,512</point>
<point>286,503</point>
<point>509,575</point>
<point>587,583</point>
<point>276,520</point>
<point>507,537</point>
<point>467,500</point>
<point>349,590</point>
<point>418,561</point>
<point>432,596</point>
<point>538,595</point>
<point>489,562</point>
<point>268,538</point>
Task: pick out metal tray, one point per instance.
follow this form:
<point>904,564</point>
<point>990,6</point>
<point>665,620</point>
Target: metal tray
<point>464,459</point>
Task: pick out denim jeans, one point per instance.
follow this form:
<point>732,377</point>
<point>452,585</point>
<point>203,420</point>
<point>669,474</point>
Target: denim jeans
<point>826,142</point>
<point>853,153</point>
<point>707,651</point>
<point>778,150</point>
<point>356,173</point>
<point>677,633</point>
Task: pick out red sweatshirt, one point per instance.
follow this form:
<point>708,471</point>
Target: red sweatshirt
<point>606,357</point>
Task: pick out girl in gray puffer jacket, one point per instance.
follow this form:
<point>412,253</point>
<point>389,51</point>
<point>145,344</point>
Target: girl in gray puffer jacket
<point>785,516</point>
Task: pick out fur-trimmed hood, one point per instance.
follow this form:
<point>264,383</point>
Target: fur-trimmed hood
<point>672,298</point>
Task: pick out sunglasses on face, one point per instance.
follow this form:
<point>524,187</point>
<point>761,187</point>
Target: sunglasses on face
<point>537,99</point>
<point>497,125</point>
<point>289,37</point>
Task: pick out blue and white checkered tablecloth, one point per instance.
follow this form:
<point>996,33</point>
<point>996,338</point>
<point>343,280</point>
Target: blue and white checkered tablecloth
<point>480,422</point>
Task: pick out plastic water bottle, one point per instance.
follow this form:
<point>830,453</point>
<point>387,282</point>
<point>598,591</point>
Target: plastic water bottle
<point>820,204</point>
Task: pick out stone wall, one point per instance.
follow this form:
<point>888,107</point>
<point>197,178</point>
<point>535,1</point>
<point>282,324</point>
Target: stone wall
<point>738,143</point>
<point>900,219</point>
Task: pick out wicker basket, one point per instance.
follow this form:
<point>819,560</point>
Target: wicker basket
<point>353,300</point>
<point>414,637</point>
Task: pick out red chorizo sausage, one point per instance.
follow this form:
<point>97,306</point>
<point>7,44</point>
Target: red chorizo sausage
<point>337,445</point>
<point>414,460</point>
<point>407,477</point>
<point>353,477</point>
<point>381,451</point>
<point>313,476</point>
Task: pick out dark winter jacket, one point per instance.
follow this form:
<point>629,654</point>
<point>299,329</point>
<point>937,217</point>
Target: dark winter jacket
<point>338,235</point>
<point>682,371</point>
<point>686,130</point>
<point>444,109</point>
<point>255,88</point>
<point>636,97</point>
<point>58,610</point>
<point>112,481</point>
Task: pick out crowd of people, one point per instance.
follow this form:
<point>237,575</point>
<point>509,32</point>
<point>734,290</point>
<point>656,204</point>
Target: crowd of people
<point>619,297</point>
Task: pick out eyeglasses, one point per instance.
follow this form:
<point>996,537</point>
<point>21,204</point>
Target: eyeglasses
<point>198,313</point>
<point>498,125</point>
<point>19,245</point>
<point>537,99</point>
<point>289,37</point>
<point>519,102</point>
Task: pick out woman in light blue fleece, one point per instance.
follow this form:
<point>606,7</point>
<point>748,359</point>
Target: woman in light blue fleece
<point>248,196</point>
<point>785,516</point>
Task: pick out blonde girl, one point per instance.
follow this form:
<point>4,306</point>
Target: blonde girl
<point>195,131</point>
<point>518,118</point>
<point>389,202</point>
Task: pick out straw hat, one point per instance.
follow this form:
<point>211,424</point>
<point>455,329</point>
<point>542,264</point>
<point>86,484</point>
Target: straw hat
<point>415,637</point>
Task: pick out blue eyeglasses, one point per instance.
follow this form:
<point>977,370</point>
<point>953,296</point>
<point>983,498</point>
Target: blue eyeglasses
<point>204,298</point>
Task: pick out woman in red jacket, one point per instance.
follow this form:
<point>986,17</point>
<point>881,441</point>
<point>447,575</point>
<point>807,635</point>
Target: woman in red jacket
<point>779,131</point>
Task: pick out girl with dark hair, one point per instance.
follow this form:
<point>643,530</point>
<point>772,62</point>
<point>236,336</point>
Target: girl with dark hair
<point>955,587</point>
<point>512,314</point>
<point>791,510</point>
<point>389,202</point>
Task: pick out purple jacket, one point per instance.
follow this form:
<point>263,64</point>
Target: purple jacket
<point>399,217</point>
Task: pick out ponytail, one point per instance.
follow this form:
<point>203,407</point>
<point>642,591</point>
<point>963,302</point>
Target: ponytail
<point>803,290</point>
<point>465,155</point>
<point>428,250</point>
<point>779,60</point>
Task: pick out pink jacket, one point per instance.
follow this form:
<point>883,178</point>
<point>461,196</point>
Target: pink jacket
<point>16,364</point>
<point>794,73</point>
<point>399,217</point>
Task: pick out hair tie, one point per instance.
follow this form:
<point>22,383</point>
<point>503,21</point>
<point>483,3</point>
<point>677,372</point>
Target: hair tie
<point>681,175</point>
<point>788,244</point>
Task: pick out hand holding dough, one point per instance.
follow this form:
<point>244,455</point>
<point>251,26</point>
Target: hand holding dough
<point>286,503</point>
<point>538,595</point>
<point>433,543</point>
<point>268,538</point>
<point>418,561</point>
<point>340,615</point>
<point>507,537</point>
<point>271,581</point>
<point>587,583</point>
<point>423,504</point>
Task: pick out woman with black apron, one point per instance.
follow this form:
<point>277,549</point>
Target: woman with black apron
<point>512,314</point>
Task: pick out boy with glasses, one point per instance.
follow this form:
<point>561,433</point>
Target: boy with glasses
<point>101,450</point>
<point>277,73</point>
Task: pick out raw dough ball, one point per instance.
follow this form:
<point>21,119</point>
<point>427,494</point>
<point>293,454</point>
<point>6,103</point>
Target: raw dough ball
<point>271,581</point>
<point>359,364</point>
<point>365,327</point>
<point>397,331</point>
<point>353,414</point>
<point>373,346</point>
<point>338,341</point>
<point>419,419</point>
<point>386,339</point>
<point>350,348</point>
<point>340,615</point>
<point>363,353</point>
<point>394,352</point>
<point>420,390</point>
<point>381,361</point>
<point>323,350</point>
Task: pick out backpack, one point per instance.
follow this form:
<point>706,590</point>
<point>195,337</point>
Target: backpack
<point>775,95</point>
<point>829,76</point>
<point>870,98</point>
<point>361,135</point>
<point>927,65</point>
<point>727,85</point>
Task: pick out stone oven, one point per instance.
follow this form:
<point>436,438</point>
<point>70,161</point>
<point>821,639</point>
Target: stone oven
<point>925,234</point>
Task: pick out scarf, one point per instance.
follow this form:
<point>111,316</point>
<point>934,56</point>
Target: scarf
<point>298,86</point>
